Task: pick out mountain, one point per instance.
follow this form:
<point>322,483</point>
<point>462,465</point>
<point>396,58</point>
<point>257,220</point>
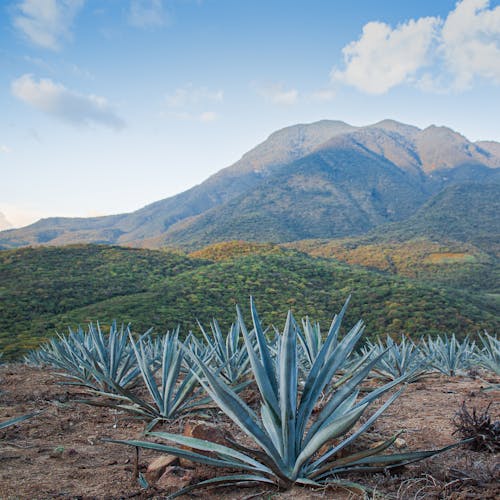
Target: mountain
<point>4,223</point>
<point>325,179</point>
<point>162,289</point>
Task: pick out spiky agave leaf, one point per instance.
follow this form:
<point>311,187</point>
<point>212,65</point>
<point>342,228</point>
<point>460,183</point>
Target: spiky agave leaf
<point>288,438</point>
<point>229,352</point>
<point>489,355</point>
<point>17,420</point>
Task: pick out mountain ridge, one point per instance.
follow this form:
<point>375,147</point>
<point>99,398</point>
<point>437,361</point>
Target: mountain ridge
<point>433,157</point>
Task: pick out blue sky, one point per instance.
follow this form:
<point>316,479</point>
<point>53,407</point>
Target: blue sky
<point>107,105</point>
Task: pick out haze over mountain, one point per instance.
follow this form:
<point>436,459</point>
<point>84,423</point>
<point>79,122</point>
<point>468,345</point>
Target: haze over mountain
<point>4,223</point>
<point>321,180</point>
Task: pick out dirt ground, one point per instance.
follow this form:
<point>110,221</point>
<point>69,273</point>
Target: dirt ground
<point>61,453</point>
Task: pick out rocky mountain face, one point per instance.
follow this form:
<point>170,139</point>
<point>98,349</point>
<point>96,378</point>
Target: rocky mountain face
<point>325,179</point>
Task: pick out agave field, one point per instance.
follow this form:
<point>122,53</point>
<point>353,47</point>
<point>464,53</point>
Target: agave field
<point>316,395</point>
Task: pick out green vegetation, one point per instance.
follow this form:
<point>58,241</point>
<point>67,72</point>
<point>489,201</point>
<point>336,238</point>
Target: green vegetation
<point>451,264</point>
<point>45,289</point>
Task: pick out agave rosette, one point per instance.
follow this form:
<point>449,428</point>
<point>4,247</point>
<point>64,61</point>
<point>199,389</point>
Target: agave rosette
<point>290,442</point>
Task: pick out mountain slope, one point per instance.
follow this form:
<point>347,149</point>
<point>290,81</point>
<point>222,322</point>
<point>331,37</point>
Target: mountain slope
<point>463,212</point>
<point>435,157</point>
<point>324,194</point>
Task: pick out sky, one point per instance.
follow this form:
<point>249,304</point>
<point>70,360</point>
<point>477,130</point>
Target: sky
<point>108,105</point>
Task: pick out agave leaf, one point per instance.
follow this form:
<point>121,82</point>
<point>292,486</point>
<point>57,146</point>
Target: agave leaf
<point>187,454</point>
<point>209,446</point>
<point>366,425</point>
<point>235,408</point>
<point>16,420</point>
<point>336,428</point>
<point>288,390</point>
<point>220,481</point>
<point>264,374</point>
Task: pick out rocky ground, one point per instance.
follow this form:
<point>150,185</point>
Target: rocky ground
<point>61,453</point>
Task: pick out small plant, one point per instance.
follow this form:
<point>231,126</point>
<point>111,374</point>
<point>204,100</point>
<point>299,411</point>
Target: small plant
<point>447,354</point>
<point>401,359</point>
<point>476,427</point>
<point>91,358</point>
<point>176,392</point>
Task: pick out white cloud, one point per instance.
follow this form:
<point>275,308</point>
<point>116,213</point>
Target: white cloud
<point>67,105</point>
<point>148,14</point>
<point>471,43</point>
<point>430,53</point>
<point>278,94</point>
<point>383,57</point>
<point>5,149</point>
<point>46,22</point>
<point>189,95</point>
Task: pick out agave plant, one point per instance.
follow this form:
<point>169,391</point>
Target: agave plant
<point>489,356</point>
<point>290,442</point>
<point>448,355</point>
<point>176,392</point>
<point>401,359</point>
<point>229,353</point>
<point>93,359</point>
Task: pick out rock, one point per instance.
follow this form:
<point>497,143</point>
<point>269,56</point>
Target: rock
<point>158,467</point>
<point>208,432</point>
<point>175,478</point>
<point>400,443</point>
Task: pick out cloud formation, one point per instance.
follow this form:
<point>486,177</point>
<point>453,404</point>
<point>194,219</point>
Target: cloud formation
<point>5,149</point>
<point>429,52</point>
<point>147,14</point>
<point>277,93</point>
<point>46,23</point>
<point>69,106</point>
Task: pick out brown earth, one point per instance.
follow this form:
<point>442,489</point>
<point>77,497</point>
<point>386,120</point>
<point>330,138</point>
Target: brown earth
<point>61,453</point>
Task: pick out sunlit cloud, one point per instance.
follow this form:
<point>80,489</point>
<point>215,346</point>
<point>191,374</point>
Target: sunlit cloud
<point>67,105</point>
<point>46,23</point>
<point>5,149</point>
<point>430,53</point>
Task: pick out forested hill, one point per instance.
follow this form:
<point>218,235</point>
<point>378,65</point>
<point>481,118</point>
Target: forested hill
<point>161,289</point>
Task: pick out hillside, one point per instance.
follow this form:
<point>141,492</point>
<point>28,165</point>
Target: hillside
<point>465,212</point>
<point>394,169</point>
<point>451,264</point>
<point>163,289</point>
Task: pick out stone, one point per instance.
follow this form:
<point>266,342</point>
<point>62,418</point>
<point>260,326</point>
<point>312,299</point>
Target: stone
<point>208,432</point>
<point>158,467</point>
<point>175,478</point>
<point>400,443</point>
